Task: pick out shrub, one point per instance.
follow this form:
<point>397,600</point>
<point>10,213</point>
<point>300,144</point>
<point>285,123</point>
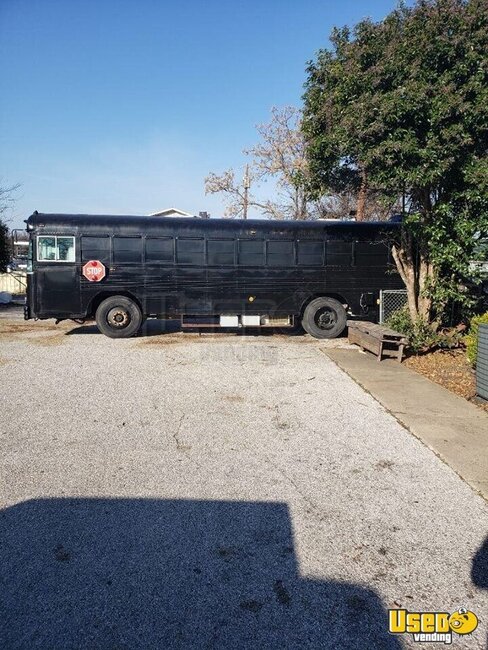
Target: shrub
<point>420,334</point>
<point>4,247</point>
<point>471,338</point>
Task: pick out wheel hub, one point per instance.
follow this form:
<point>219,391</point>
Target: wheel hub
<point>326,318</point>
<point>118,317</point>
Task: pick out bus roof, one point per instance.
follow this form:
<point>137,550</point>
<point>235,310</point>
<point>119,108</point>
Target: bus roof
<point>82,221</point>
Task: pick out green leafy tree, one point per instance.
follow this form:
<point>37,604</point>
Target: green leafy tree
<point>400,108</point>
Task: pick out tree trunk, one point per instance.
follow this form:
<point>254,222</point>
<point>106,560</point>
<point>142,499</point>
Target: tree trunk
<point>300,208</point>
<point>416,273</point>
<point>405,268</point>
<point>363,192</point>
<point>425,277</point>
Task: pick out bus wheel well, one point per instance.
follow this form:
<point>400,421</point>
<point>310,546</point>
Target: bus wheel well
<point>100,297</point>
<point>336,296</point>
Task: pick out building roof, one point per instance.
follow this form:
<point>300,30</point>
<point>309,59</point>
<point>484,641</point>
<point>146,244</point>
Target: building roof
<point>171,212</point>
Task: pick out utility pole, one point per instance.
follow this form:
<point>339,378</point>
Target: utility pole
<point>247,184</point>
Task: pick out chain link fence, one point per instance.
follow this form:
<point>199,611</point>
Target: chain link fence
<point>391,300</point>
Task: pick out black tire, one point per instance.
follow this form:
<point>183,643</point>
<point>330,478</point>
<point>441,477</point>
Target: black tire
<point>118,317</point>
<point>324,318</point>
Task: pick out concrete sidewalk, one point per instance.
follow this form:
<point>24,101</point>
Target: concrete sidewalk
<point>454,429</point>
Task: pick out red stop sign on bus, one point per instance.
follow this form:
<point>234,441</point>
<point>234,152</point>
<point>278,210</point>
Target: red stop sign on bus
<point>94,271</point>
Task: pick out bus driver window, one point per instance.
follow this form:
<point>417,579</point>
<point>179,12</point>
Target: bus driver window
<point>56,249</point>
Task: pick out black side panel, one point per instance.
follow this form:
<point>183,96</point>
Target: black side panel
<point>160,290</point>
<point>30,308</point>
<point>58,290</point>
<point>222,290</point>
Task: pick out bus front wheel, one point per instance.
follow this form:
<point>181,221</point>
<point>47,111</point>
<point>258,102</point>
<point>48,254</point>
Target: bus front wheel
<point>324,318</point>
<point>118,317</point>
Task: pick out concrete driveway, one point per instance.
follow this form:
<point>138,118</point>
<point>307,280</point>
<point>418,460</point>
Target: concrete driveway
<point>217,491</point>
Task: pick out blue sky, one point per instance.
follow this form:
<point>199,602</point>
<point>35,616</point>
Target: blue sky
<point>124,106</point>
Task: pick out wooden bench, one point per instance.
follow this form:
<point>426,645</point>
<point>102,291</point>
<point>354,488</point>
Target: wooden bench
<point>378,339</point>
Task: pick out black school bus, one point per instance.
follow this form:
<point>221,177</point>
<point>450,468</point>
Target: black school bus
<point>120,270</point>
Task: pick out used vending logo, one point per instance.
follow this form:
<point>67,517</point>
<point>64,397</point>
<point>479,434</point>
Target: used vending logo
<point>427,627</point>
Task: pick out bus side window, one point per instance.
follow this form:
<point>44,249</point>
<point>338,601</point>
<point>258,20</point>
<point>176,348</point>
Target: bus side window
<point>220,252</point>
<point>339,253</point>
<point>160,249</point>
<point>127,250</point>
<point>370,253</point>
<point>280,253</point>
<point>310,253</point>
<point>251,252</point>
<point>190,251</point>
<point>95,248</point>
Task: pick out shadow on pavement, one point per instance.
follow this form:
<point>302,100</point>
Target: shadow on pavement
<point>149,573</point>
<point>157,327</point>
<point>479,568</point>
<point>152,327</point>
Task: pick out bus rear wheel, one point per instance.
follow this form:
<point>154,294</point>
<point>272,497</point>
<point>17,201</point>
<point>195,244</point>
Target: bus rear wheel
<point>118,317</point>
<point>324,318</point>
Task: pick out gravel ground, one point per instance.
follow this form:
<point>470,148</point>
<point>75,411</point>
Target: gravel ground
<point>217,491</point>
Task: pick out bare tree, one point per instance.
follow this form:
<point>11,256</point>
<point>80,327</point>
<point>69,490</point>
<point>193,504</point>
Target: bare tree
<point>345,204</point>
<point>280,156</point>
<point>6,203</point>
<point>238,194</point>
<point>7,198</point>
